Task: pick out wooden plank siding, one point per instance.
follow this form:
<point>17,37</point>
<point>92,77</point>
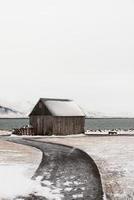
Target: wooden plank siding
<point>68,125</point>
<point>47,125</point>
<point>42,125</point>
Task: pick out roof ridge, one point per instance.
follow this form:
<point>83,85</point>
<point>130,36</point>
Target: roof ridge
<point>54,99</point>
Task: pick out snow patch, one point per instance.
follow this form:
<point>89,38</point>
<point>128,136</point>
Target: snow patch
<point>68,189</point>
<point>67,183</point>
<point>14,183</point>
<point>4,132</point>
<point>75,196</point>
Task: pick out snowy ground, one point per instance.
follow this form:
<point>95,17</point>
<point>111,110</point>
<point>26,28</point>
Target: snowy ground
<point>67,174</point>
<point>17,164</point>
<point>5,133</point>
<point>114,158</point>
<point>106,132</point>
<point>64,173</point>
<point>112,154</point>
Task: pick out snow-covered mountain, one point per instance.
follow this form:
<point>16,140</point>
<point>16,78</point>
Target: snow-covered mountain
<point>15,109</point>
<point>108,115</point>
<point>6,112</point>
<point>95,114</point>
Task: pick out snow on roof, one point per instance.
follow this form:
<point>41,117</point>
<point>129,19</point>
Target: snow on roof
<point>53,99</point>
<point>63,108</point>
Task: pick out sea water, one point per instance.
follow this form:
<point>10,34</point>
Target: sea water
<point>90,124</point>
<point>109,123</point>
<point>10,124</point>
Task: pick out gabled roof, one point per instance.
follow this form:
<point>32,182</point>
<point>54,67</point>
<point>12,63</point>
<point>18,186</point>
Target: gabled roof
<point>53,99</point>
<point>62,107</point>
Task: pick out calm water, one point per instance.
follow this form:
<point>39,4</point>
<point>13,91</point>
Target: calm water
<point>9,124</point>
<point>94,124</point>
<point>109,124</point>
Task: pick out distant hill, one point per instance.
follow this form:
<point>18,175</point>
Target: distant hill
<point>95,115</point>
<point>6,112</point>
<point>105,115</point>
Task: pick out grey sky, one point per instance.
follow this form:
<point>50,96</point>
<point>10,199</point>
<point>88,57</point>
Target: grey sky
<point>82,50</point>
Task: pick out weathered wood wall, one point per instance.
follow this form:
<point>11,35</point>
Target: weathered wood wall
<point>40,109</point>
<point>42,125</point>
<point>47,125</point>
<point>68,125</point>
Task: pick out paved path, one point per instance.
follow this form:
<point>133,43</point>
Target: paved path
<point>71,170</point>
<point>114,158</point>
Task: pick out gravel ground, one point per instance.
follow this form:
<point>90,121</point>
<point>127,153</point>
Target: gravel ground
<point>114,158</point>
<point>69,173</point>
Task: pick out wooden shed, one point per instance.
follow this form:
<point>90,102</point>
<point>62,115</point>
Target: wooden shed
<point>57,116</point>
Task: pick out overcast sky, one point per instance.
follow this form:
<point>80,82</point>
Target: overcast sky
<point>78,49</point>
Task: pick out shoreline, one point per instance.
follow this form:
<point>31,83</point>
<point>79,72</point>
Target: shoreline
<point>14,118</point>
<point>119,132</point>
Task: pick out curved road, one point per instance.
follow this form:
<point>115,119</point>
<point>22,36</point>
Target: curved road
<point>71,170</point>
